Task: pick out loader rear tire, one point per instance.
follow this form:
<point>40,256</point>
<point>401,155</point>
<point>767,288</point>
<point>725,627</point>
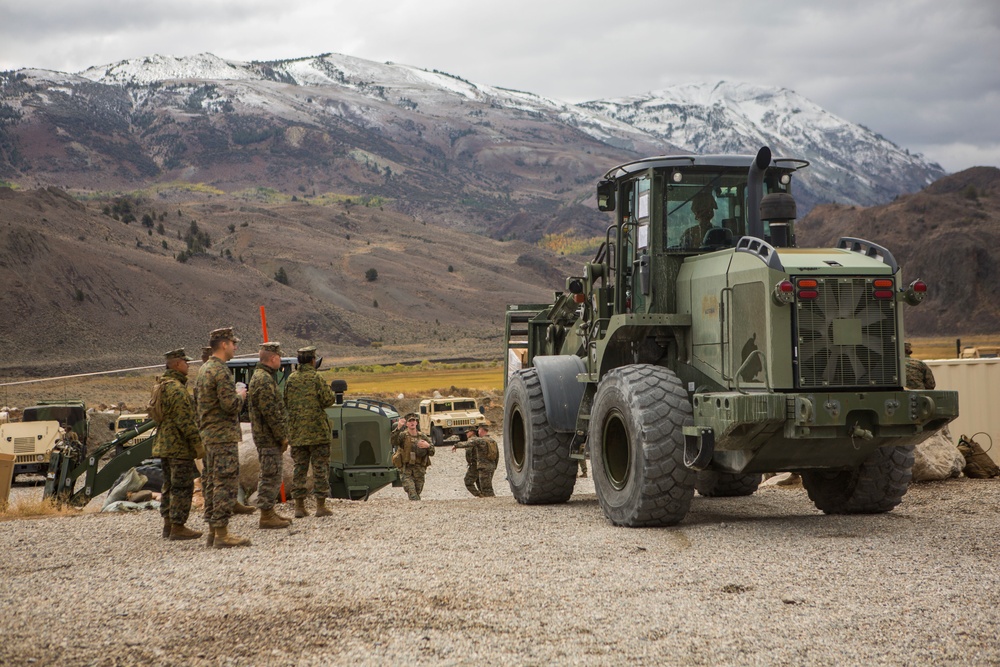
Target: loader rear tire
<point>874,487</point>
<point>539,469</point>
<point>636,445</point>
<point>712,484</point>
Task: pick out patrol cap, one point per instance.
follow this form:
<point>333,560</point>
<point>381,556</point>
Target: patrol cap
<point>485,425</point>
<point>470,427</point>
<point>272,346</point>
<point>225,333</point>
<point>410,415</point>
<point>177,354</point>
<point>309,349</point>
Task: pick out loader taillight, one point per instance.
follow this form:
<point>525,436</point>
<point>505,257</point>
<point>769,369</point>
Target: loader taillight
<point>807,288</point>
<point>784,292</point>
<point>883,294</point>
<point>919,286</point>
<point>882,283</point>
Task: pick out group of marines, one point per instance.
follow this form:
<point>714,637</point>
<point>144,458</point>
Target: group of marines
<point>207,427</point>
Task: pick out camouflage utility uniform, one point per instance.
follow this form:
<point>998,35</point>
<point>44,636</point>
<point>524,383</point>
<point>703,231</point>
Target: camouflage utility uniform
<point>177,445</point>
<point>219,416</point>
<point>411,460</point>
<point>269,425</point>
<point>471,469</point>
<point>486,456</point>
<point>918,375</point>
<point>306,399</point>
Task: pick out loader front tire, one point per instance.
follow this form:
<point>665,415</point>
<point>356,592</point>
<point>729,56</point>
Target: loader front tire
<point>539,469</point>
<point>636,442</point>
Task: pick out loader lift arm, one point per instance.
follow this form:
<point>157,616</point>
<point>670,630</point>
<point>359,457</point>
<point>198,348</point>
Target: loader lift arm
<point>65,469</point>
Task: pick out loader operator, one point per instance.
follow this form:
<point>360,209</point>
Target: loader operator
<point>703,207</point>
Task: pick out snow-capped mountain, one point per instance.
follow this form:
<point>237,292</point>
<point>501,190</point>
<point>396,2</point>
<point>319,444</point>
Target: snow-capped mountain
<point>849,163</point>
<point>505,162</point>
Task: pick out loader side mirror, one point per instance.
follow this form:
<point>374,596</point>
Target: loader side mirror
<point>606,196</point>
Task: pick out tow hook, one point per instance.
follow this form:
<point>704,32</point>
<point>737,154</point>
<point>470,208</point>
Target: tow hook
<point>863,433</point>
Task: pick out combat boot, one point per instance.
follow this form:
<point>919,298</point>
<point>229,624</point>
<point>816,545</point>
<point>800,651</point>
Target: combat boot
<point>166,527</point>
<point>179,531</point>
<point>224,540</point>
<point>300,508</point>
<point>210,540</point>
<point>240,508</point>
<point>321,509</point>
<point>271,519</point>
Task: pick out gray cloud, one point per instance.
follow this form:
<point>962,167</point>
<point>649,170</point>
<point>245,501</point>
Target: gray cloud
<point>924,74</point>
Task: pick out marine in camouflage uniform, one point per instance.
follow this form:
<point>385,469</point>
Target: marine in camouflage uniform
<point>486,456</point>
<point>471,471</point>
<point>411,457</point>
<point>219,406</point>
<point>918,375</point>
<point>177,445</point>
<point>269,425</point>
<point>306,399</point>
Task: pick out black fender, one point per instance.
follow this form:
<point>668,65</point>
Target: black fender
<point>561,391</point>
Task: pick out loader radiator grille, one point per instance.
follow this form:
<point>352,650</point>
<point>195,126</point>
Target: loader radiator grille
<point>846,337</point>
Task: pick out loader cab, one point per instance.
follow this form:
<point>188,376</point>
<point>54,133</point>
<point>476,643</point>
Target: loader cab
<point>669,208</point>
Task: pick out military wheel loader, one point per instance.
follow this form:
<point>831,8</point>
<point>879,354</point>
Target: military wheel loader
<point>702,348</point>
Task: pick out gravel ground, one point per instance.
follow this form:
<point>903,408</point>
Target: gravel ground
<point>764,580</point>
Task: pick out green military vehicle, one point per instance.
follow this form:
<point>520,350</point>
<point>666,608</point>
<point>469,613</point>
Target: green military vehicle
<point>701,348</point>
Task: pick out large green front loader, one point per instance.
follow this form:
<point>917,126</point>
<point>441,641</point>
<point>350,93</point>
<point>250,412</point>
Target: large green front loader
<point>702,348</point>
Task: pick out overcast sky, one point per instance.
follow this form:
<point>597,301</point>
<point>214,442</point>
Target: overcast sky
<point>924,74</point>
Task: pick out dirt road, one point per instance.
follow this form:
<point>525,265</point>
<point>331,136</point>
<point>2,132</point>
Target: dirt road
<point>461,581</point>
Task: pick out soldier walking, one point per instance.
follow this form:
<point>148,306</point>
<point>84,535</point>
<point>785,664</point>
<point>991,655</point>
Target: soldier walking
<point>486,455</point>
<point>219,405</point>
<point>471,470</point>
<point>269,425</point>
<point>306,399</point>
<point>177,445</point>
<point>918,374</point>
<point>412,454</point>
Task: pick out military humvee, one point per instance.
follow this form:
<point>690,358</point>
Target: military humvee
<point>41,428</point>
<point>444,417</point>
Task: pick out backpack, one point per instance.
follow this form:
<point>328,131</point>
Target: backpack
<point>155,406</point>
<point>493,454</point>
<point>978,464</point>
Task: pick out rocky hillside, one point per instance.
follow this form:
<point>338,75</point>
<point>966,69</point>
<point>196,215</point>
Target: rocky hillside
<point>948,235</point>
<point>84,290</point>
